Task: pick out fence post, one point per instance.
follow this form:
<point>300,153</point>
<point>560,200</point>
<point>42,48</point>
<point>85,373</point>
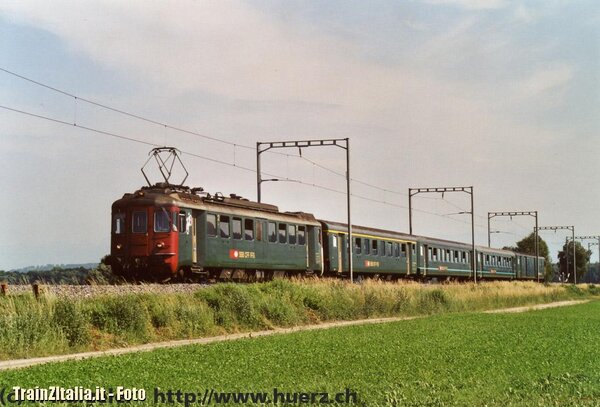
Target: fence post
<point>36,289</point>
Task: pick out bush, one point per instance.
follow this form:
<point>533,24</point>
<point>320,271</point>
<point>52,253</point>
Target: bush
<point>123,315</point>
<point>575,290</point>
<point>194,318</point>
<point>71,321</point>
<point>433,300</point>
<point>26,328</point>
<point>233,305</point>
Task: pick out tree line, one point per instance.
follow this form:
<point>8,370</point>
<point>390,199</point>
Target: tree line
<point>564,270</point>
<point>101,274</point>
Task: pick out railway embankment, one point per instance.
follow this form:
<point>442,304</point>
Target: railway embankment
<point>63,320</point>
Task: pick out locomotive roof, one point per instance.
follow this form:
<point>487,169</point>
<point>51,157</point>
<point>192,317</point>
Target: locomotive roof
<point>165,195</point>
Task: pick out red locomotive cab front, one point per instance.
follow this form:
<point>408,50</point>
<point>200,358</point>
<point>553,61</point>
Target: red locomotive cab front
<point>164,239</point>
<point>144,242</point>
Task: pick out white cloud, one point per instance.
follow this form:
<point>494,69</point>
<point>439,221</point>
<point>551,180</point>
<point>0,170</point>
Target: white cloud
<point>525,14</point>
<point>228,49</point>
<point>546,80</point>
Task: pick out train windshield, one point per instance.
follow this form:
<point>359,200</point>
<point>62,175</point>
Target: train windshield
<point>140,222</point>
<point>162,220</point>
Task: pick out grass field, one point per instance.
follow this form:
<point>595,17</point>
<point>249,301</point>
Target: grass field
<point>541,358</point>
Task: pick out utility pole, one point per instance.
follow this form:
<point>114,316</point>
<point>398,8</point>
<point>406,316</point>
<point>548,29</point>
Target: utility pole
<point>468,190</point>
<point>343,143</point>
<point>536,244</point>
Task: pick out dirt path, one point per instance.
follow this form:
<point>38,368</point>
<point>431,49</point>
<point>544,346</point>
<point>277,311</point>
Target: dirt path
<point>535,307</point>
<point>21,363</point>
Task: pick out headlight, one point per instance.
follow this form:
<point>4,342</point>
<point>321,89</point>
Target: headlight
<point>160,245</point>
<point>119,245</point>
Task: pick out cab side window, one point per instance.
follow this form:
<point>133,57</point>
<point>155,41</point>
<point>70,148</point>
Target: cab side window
<point>181,222</point>
<point>118,223</point>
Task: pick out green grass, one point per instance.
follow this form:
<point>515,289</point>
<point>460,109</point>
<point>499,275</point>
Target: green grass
<point>30,327</point>
<point>542,358</point>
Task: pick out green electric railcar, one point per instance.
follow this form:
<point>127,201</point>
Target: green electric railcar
<point>163,231</point>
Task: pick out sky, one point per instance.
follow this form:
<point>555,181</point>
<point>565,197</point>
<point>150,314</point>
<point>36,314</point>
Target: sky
<point>499,95</point>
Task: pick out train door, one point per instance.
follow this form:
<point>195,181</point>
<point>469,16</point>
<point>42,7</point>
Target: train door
<point>408,256</point>
<point>187,243</point>
<point>261,240</point>
<point>193,222</point>
<point>139,238</point>
<point>339,253</point>
<point>315,250</point>
<point>480,263</point>
<point>411,258</point>
<point>422,260</point>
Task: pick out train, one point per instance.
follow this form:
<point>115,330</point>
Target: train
<point>165,232</point>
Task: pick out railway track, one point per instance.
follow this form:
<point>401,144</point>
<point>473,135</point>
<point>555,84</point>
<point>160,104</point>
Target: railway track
<point>87,291</point>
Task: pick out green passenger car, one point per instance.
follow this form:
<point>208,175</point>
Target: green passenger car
<point>375,252</point>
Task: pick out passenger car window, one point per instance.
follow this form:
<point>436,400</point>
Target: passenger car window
<point>396,249</point>
<point>237,228</point>
<point>248,229</point>
<point>292,234</point>
<point>139,222</point>
<point>224,226</point>
<point>301,235</point>
<point>357,245</point>
<point>272,232</point>
<point>211,225</point>
<point>282,233</point>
